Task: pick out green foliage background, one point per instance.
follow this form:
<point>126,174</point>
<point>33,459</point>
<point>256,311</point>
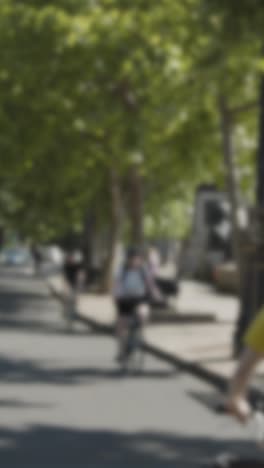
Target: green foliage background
<point>87,85</point>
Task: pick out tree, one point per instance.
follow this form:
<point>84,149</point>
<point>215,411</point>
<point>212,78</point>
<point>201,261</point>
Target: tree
<point>84,88</point>
<point>240,30</point>
<point>87,86</point>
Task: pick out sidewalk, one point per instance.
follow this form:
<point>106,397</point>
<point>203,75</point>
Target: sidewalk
<point>206,345</point>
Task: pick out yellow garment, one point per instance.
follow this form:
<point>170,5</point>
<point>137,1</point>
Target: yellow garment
<point>254,337</point>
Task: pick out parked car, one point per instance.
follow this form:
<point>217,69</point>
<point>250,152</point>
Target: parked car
<point>225,277</point>
<point>16,256</point>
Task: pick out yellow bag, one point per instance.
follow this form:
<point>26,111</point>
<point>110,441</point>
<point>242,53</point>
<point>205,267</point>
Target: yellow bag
<point>254,337</point>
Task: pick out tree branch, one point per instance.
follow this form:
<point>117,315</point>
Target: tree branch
<point>244,108</point>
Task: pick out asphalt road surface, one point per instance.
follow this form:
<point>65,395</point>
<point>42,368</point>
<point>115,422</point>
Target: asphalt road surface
<point>64,403</point>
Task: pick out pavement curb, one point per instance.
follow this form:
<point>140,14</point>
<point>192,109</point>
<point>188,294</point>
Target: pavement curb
<point>196,370</point>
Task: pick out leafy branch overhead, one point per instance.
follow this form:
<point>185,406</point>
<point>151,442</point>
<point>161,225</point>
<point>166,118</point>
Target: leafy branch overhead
<point>88,86</point>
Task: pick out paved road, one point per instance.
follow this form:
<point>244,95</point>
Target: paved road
<point>63,402</point>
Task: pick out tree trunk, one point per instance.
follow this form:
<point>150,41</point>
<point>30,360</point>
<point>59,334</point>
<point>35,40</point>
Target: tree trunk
<point>231,181</point>
<point>136,206</point>
<point>89,232</point>
<point>2,236</point>
<point>232,190</point>
<point>253,293</point>
<point>260,156</point>
<point>114,229</point>
<point>258,259</point>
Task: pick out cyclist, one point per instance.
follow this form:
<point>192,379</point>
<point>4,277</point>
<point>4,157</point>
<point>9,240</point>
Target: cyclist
<point>237,403</point>
<point>134,290</point>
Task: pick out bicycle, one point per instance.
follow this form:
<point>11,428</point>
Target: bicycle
<point>69,309</point>
<point>131,358</point>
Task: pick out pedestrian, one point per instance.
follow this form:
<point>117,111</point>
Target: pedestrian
<point>73,272</point>
<point>154,260</point>
<point>237,402</point>
<point>37,258</point>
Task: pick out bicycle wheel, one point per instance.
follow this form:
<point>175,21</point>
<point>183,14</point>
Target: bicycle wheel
<point>136,358</point>
<point>69,310</point>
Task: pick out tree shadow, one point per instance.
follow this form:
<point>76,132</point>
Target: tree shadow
<point>18,404</point>
<point>32,372</point>
<point>50,446</point>
<point>23,309</point>
<point>209,399</point>
<point>15,272</point>
<point>40,327</point>
<point>29,314</point>
<point>10,297</point>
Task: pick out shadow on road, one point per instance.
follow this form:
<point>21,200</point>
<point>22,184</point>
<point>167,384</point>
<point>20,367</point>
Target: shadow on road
<point>17,404</point>
<point>48,446</point>
<point>26,306</point>
<point>209,399</point>
<point>21,314</point>
<point>33,371</point>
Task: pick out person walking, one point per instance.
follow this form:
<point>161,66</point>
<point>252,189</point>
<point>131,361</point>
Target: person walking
<point>236,402</point>
<point>73,272</point>
<point>37,258</point>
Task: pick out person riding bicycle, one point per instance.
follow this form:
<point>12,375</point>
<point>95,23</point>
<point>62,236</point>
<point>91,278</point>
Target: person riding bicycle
<point>134,290</point>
